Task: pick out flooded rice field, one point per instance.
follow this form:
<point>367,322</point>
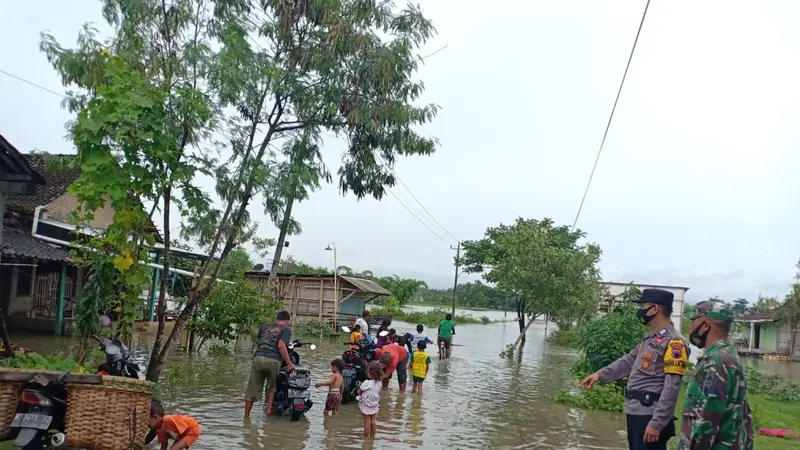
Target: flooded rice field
<point>476,400</point>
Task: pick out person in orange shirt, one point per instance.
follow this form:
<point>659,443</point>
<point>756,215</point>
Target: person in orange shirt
<point>355,336</point>
<point>184,430</point>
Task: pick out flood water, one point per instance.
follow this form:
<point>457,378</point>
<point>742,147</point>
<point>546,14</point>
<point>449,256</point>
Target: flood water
<point>475,400</point>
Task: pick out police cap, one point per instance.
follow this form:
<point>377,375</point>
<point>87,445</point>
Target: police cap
<point>657,297</point>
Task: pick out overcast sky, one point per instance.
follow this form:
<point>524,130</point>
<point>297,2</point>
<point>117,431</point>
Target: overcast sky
<point>696,186</point>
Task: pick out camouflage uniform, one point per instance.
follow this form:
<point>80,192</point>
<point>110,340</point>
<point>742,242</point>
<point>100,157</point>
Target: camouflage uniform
<point>716,415</point>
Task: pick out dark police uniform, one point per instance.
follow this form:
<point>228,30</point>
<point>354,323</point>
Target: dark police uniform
<point>654,369</point>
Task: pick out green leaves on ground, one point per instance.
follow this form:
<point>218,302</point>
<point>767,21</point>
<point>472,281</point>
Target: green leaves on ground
<point>607,338</point>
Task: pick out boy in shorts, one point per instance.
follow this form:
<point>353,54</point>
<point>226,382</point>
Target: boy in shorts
<point>183,430</point>
<point>420,363</point>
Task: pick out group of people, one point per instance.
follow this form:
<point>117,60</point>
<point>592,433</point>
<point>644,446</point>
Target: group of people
<point>395,354</point>
<point>716,413</point>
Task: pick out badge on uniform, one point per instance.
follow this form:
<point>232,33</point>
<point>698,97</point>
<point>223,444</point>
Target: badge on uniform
<point>675,358</point>
<point>662,332</point>
<point>660,340</point>
<point>648,356</point>
<point>645,364</point>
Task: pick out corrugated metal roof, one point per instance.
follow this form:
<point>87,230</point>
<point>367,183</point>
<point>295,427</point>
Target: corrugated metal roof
<point>366,285</point>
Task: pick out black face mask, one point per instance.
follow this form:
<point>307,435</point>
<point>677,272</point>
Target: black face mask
<point>644,317</point>
<point>699,338</point>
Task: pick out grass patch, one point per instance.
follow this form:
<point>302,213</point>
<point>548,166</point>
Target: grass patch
<point>430,318</point>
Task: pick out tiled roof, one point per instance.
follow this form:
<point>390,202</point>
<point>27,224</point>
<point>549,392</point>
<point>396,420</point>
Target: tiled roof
<point>20,244</point>
<point>56,184</point>
<point>15,166</point>
<point>769,315</point>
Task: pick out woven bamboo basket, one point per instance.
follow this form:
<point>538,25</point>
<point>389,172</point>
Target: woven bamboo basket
<point>9,396</point>
<point>111,415</point>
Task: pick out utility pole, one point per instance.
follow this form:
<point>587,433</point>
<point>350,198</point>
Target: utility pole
<point>455,281</point>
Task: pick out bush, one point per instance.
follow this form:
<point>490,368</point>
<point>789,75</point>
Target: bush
<point>566,338</point>
<point>602,397</point>
<point>58,362</point>
<point>604,340</point>
<point>312,327</point>
<point>772,386</point>
<point>429,318</point>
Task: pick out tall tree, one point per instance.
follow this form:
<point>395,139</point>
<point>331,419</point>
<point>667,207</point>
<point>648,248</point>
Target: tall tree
<point>741,306</point>
<point>766,304</point>
<point>541,266</point>
<point>402,289</point>
<point>296,177</point>
<point>789,311</point>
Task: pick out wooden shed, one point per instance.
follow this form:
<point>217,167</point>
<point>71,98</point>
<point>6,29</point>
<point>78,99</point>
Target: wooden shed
<point>325,298</point>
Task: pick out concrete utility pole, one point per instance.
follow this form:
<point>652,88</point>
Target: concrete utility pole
<point>455,281</point>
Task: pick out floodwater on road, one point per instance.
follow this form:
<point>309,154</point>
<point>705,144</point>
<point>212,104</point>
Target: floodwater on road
<point>475,400</point>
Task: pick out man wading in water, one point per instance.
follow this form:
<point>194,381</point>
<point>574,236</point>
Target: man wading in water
<point>655,368</point>
<point>273,345</point>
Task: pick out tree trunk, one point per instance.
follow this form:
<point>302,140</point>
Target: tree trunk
<point>521,339</point>
<point>287,216</point>
<point>161,310</point>
<point>521,322</point>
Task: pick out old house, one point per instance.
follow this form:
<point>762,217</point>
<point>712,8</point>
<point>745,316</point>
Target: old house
<point>333,300</point>
<point>38,282</point>
<point>762,334</point>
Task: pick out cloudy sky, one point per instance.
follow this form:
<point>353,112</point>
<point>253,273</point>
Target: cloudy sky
<point>696,186</point>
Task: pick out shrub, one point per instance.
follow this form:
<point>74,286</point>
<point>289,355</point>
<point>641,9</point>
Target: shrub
<point>58,362</point>
<point>312,327</point>
<point>772,386</point>
<point>566,338</point>
<point>604,340</point>
<point>602,397</point>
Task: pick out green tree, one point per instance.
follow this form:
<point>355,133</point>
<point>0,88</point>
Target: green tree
<point>741,306</point>
<point>789,311</point>
<point>766,304</point>
<point>539,265</point>
<point>291,265</point>
<point>403,289</point>
<point>296,177</point>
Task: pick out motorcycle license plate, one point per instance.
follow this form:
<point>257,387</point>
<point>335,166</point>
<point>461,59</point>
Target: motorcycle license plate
<point>298,393</point>
<point>349,372</point>
<point>38,421</point>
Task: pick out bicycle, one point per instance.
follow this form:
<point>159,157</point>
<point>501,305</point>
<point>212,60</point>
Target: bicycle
<point>441,350</point>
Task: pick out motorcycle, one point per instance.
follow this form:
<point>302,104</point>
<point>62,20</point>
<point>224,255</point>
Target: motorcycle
<point>118,359</point>
<point>39,421</point>
<point>355,365</point>
<point>292,397</point>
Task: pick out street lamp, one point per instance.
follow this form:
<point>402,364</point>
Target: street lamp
<point>332,247</point>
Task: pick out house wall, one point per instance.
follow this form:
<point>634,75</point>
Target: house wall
<point>19,304</point>
<point>769,337</point>
<point>62,208</point>
<point>677,305</point>
<point>353,306</point>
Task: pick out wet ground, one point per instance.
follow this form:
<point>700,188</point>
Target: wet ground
<point>475,400</point>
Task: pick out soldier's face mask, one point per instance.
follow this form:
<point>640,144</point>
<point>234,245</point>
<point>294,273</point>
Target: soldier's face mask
<point>647,313</point>
<point>698,334</point>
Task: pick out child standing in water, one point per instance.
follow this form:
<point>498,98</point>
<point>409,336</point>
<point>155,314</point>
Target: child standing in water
<point>335,385</point>
<point>420,363</point>
<point>369,397</point>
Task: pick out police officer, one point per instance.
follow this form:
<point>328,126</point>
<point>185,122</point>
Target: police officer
<point>654,369</point>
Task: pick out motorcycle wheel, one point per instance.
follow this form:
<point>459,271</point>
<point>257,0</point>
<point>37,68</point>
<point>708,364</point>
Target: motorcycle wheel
<point>296,414</point>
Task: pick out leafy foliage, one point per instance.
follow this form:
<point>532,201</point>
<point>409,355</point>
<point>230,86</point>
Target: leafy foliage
<point>603,397</point>
<point>468,295</point>
<point>765,304</point>
<point>607,338</point>
<point>542,267</point>
<point>772,386</point>
<point>231,311</point>
<point>429,318</point>
<point>403,289</point>
<point>789,311</point>
<point>311,327</point>
<point>58,362</point>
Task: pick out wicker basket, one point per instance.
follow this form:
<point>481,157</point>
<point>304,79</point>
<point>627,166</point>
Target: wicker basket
<point>9,396</point>
<point>108,416</point>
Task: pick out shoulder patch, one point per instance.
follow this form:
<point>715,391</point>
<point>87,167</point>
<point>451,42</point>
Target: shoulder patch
<point>662,332</point>
<point>675,357</point>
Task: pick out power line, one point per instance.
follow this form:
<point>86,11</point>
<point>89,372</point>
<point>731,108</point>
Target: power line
<point>611,116</point>
<point>32,83</point>
<point>385,166</point>
<point>415,216</point>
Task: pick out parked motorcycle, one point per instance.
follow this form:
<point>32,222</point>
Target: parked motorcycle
<point>355,364</point>
<point>292,397</point>
<point>118,359</point>
<point>39,421</point>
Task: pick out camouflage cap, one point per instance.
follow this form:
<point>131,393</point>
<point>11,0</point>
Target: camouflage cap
<point>712,310</point>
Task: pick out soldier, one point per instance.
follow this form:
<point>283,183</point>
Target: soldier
<point>716,413</point>
<point>654,369</point>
